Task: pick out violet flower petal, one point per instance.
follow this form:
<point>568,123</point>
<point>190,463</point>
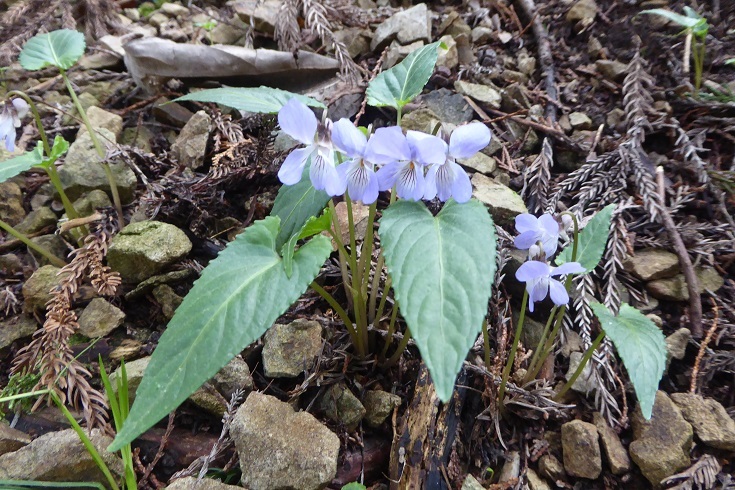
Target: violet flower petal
<point>467,140</point>
<point>298,121</point>
<point>426,149</point>
<point>324,175</point>
<point>568,268</point>
<point>410,182</point>
<point>462,187</point>
<point>293,167</point>
<point>348,139</point>
<point>533,269</point>
<point>558,293</point>
<point>526,222</point>
<point>387,145</point>
<point>387,175</point>
<point>525,240</point>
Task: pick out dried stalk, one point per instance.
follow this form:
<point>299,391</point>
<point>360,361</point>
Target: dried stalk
<point>536,179</point>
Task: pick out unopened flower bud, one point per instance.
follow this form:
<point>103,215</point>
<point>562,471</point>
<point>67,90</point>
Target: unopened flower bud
<point>536,253</point>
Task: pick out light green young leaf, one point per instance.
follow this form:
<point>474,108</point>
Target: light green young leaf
<point>313,226</point>
<point>692,20</point>
<point>398,86</point>
<point>641,346</point>
<point>442,269</point>
<point>592,240</point>
<point>60,147</point>
<point>354,486</point>
<point>237,298</point>
<point>250,99</point>
<point>26,161</point>
<point>295,204</point>
<point>61,48</point>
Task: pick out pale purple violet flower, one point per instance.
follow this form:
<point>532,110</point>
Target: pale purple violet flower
<point>540,283</point>
<point>409,156</point>
<point>447,179</point>
<point>10,117</point>
<point>532,230</point>
<point>297,121</point>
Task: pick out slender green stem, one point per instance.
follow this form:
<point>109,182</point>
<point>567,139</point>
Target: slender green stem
<point>97,145</point>
<point>366,254</point>
<point>356,284</point>
<point>399,350</point>
<point>342,314</point>
<point>36,116</point>
<point>20,396</point>
<point>399,115</point>
<point>539,347</point>
<point>391,331</point>
<point>337,237</point>
<point>548,346</point>
<point>486,343</point>
<point>53,176</point>
<point>41,250</point>
<point>582,363</point>
<point>513,350</point>
<point>383,299</point>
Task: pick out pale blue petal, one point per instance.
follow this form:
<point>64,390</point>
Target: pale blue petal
<point>410,183</point>
<point>525,240</point>
<point>558,293</point>
<point>568,268</point>
<point>324,175</point>
<point>292,168</point>
<point>430,182</point>
<point>550,244</point>
<point>370,193</point>
<point>362,183</point>
<point>540,290</point>
<point>426,149</point>
<point>461,187</point>
<point>444,181</point>
<point>526,222</point>
<point>468,139</point>
<point>297,121</point>
<point>387,145</point>
<point>549,225</point>
<point>348,139</point>
<point>531,270</point>
<point>387,176</point>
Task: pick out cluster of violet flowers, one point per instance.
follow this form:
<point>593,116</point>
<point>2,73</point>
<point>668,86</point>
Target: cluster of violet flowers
<point>540,236</point>
<point>418,165</point>
<point>11,114</point>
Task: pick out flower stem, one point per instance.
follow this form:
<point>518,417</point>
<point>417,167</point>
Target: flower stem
<point>53,176</point>
<point>582,363</point>
<point>532,371</point>
<point>391,330</point>
<point>36,117</point>
<point>513,350</point>
<point>399,350</point>
<point>341,313</point>
<point>41,250</point>
<point>486,343</point>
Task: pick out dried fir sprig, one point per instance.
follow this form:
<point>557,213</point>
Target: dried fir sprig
<point>536,179</point>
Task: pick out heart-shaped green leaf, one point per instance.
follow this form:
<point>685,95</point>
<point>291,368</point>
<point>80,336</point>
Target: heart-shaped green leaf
<point>399,85</point>
<point>592,241</point>
<point>13,166</point>
<point>61,48</point>
<point>295,204</point>
<point>237,298</point>
<point>442,269</point>
<point>313,226</point>
<point>641,346</point>
<point>250,99</point>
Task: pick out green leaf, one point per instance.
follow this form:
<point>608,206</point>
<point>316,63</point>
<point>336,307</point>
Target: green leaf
<point>61,146</point>
<point>354,486</point>
<point>237,298</point>
<point>26,161</point>
<point>641,346</point>
<point>687,21</point>
<point>442,269</point>
<point>313,226</point>
<point>398,86</point>
<point>592,241</point>
<point>61,48</point>
<point>250,99</point>
<point>295,204</point>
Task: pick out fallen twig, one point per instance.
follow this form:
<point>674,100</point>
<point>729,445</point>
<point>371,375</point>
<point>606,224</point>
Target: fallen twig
<point>703,347</point>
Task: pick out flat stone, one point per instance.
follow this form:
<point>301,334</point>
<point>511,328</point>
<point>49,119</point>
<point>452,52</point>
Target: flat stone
<point>448,58</point>
<point>535,482</point>
<point>551,468</point>
<point>289,350</point>
<point>229,33</point>
<point>676,343</point>
<point>190,146</point>
<point>471,483</point>
<point>273,441</point>
<point>449,106</point>
<point>422,119</point>
<point>585,382</point>
<point>102,119</point>
<point>263,15</point>
<point>616,455</point>
<point>91,201</point>
<point>612,70</point>
<point>151,283</point>
<point>580,120</point>
<point>503,202</point>
<point>379,405</point>
<point>59,457</point>
<point>675,288</point>
<point>53,244</point>
<point>11,203</point>
<point>100,318</point>
<point>413,24</point>
<point>481,35</point>
<point>652,263</point>
<point>584,11</point>
<point>581,449</point>
<point>511,467</point>
<point>342,406</point>
<point>171,113</point>
<point>36,288</point>
<point>193,483</point>
<point>134,371</point>
<point>174,9</point>
<point>480,162</point>
<point>12,439</point>
<point>710,421</point>
<point>167,298</point>
<point>234,376</point>
<point>526,63</point>
<point>157,19</point>
<point>355,39</point>
<point>143,249</point>
<point>15,328</point>
<point>37,220</point>
<point>481,93</point>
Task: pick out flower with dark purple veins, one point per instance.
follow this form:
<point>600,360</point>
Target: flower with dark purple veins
<point>539,280</point>
<point>299,122</point>
<point>10,117</point>
<point>409,157</point>
<point>533,230</point>
<point>447,179</point>
<point>364,154</point>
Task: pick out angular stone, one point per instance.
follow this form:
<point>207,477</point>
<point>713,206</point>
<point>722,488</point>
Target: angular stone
<point>675,288</point>
<point>60,457</point>
<point>171,113</point>
<point>102,119</point>
<point>157,19</point>
<point>36,288</point>
<point>511,467</point>
<point>143,249</point>
<point>413,24</point>
<point>12,439</point>
<point>551,468</point>
<point>209,400</point>
<point>53,244</point>
<point>355,39</point>
<point>612,70</point>
<point>193,483</point>
<point>190,146</point>
<point>37,220</point>
<point>661,445</point>
<point>652,263</point>
<point>174,9</point>
<point>134,371</point>
<point>480,162</point>
<point>583,10</point>
<point>448,58</point>
<point>167,298</point>
<point>100,318</point>
<point>535,482</point>
<point>471,483</point>
<point>449,106</point>
<point>422,119</point>
<point>289,350</point>
<point>262,15</point>
<point>379,405</point>
<point>581,449</point>
<point>17,327</point>
<point>91,201</point>
<point>710,421</point>
<point>234,376</point>
<point>272,441</point>
<point>676,343</point>
<point>585,382</point>
<point>11,203</point>
<point>580,120</point>
<point>503,202</point>
<point>484,94</point>
<point>343,407</point>
<point>615,453</point>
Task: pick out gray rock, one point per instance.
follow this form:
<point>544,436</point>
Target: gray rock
<point>710,421</point>
<point>171,113</point>
<point>99,61</point>
<point>652,263</point>
<point>262,15</point>
<point>234,376</point>
<point>174,9</point>
<point>89,202</point>
<point>82,171</point>
<point>526,63</point>
<point>100,318</point>
<point>583,11</point>
<point>53,244</point>
<point>36,288</point>
<point>340,405</point>
<point>580,120</point>
<point>422,119</point>
<point>139,137</point>
<point>675,288</point>
<point>448,58</point>
<point>355,39</point>
<point>504,203</point>
<point>661,445</point>
<point>514,98</point>
<point>37,220</point>
<point>134,370</point>
<point>171,30</point>
<point>12,439</point>
<point>167,298</point>
<point>228,33</point>
<point>190,146</point>
<point>143,249</point>
<point>208,399</point>
<point>471,483</point>
<point>192,483</point>
<point>551,468</point>
<point>289,350</point>
<point>59,456</point>
<point>581,449</point>
<point>617,456</point>
<point>585,383</point>
<point>102,119</point>
<point>11,264</point>
<point>511,469</point>
<point>410,25</point>
<point>152,282</point>
<point>480,162</point>
<point>11,203</point>
<point>612,70</point>
<point>449,106</point>
<point>279,448</point>
<point>379,405</point>
<point>484,94</point>
<point>17,327</point>
<point>481,35</point>
<point>157,19</point>
<point>535,482</point>
<point>676,343</point>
